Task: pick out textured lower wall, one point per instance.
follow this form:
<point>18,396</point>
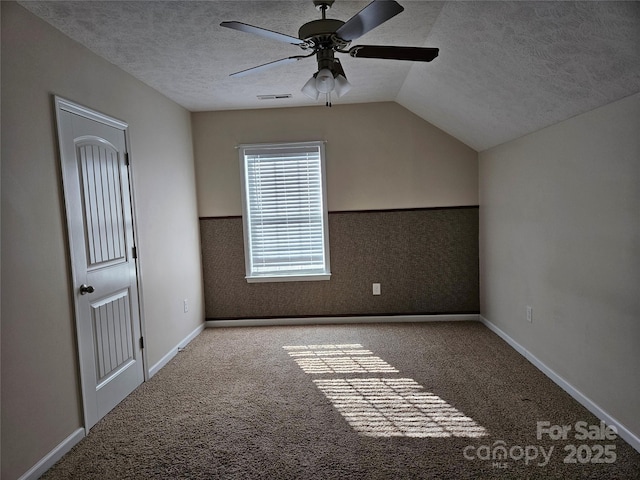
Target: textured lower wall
<point>425,260</point>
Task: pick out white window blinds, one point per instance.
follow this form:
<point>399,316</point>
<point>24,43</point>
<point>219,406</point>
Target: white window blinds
<point>285,214</point>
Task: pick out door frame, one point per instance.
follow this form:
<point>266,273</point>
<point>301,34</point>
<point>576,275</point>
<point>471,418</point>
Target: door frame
<point>63,105</point>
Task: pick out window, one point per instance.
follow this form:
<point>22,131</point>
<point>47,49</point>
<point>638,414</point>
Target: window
<point>284,211</point>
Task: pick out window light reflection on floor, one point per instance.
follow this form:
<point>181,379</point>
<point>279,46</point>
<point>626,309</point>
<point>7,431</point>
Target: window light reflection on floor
<point>351,358</point>
<point>387,407</point>
<point>380,407</point>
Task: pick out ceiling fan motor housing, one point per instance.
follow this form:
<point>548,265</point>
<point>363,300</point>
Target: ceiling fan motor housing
<point>319,31</point>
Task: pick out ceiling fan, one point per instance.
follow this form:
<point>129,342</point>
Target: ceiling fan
<point>326,36</point>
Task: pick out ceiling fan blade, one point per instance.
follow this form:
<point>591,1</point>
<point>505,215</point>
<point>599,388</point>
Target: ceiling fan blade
<point>371,16</point>
<point>266,66</point>
<point>281,37</point>
<point>415,54</point>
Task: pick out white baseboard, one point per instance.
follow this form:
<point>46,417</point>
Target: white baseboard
<point>257,322</point>
<point>53,456</point>
<point>68,443</point>
<point>174,351</point>
<point>626,434</point>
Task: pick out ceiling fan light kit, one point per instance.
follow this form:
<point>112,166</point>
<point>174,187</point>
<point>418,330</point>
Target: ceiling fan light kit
<point>325,81</point>
<point>326,37</point>
<point>342,85</point>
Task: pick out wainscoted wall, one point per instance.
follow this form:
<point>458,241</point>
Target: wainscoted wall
<point>426,261</point>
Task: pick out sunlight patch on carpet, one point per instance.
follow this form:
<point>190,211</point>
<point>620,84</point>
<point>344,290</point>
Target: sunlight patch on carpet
<point>381,406</point>
<point>388,407</point>
<point>349,358</point>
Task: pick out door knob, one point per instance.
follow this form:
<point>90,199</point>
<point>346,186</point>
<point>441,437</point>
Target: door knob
<point>84,289</point>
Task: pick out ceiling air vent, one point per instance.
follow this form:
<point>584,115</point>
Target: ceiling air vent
<point>279,96</point>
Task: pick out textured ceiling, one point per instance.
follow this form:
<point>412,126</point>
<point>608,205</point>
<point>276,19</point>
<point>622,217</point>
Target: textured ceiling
<point>505,68</point>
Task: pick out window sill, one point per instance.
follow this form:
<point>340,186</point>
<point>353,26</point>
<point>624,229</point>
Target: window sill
<point>289,278</point>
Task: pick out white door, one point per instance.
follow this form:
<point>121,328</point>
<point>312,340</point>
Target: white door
<point>97,192</point>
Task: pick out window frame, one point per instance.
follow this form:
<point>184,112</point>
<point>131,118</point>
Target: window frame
<point>291,275</point>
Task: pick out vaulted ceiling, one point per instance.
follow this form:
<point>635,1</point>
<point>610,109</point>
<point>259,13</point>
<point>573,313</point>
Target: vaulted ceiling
<point>505,69</point>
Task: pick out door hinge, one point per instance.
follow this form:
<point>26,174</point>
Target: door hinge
<point>141,342</point>
<point>134,252</point>
<point>126,159</point>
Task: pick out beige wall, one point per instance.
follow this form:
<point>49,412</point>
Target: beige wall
<point>560,231</point>
<point>40,399</point>
<point>379,156</point>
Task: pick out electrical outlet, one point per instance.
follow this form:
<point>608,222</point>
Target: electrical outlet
<point>529,314</point>
<point>376,289</point>
<point>185,305</point>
